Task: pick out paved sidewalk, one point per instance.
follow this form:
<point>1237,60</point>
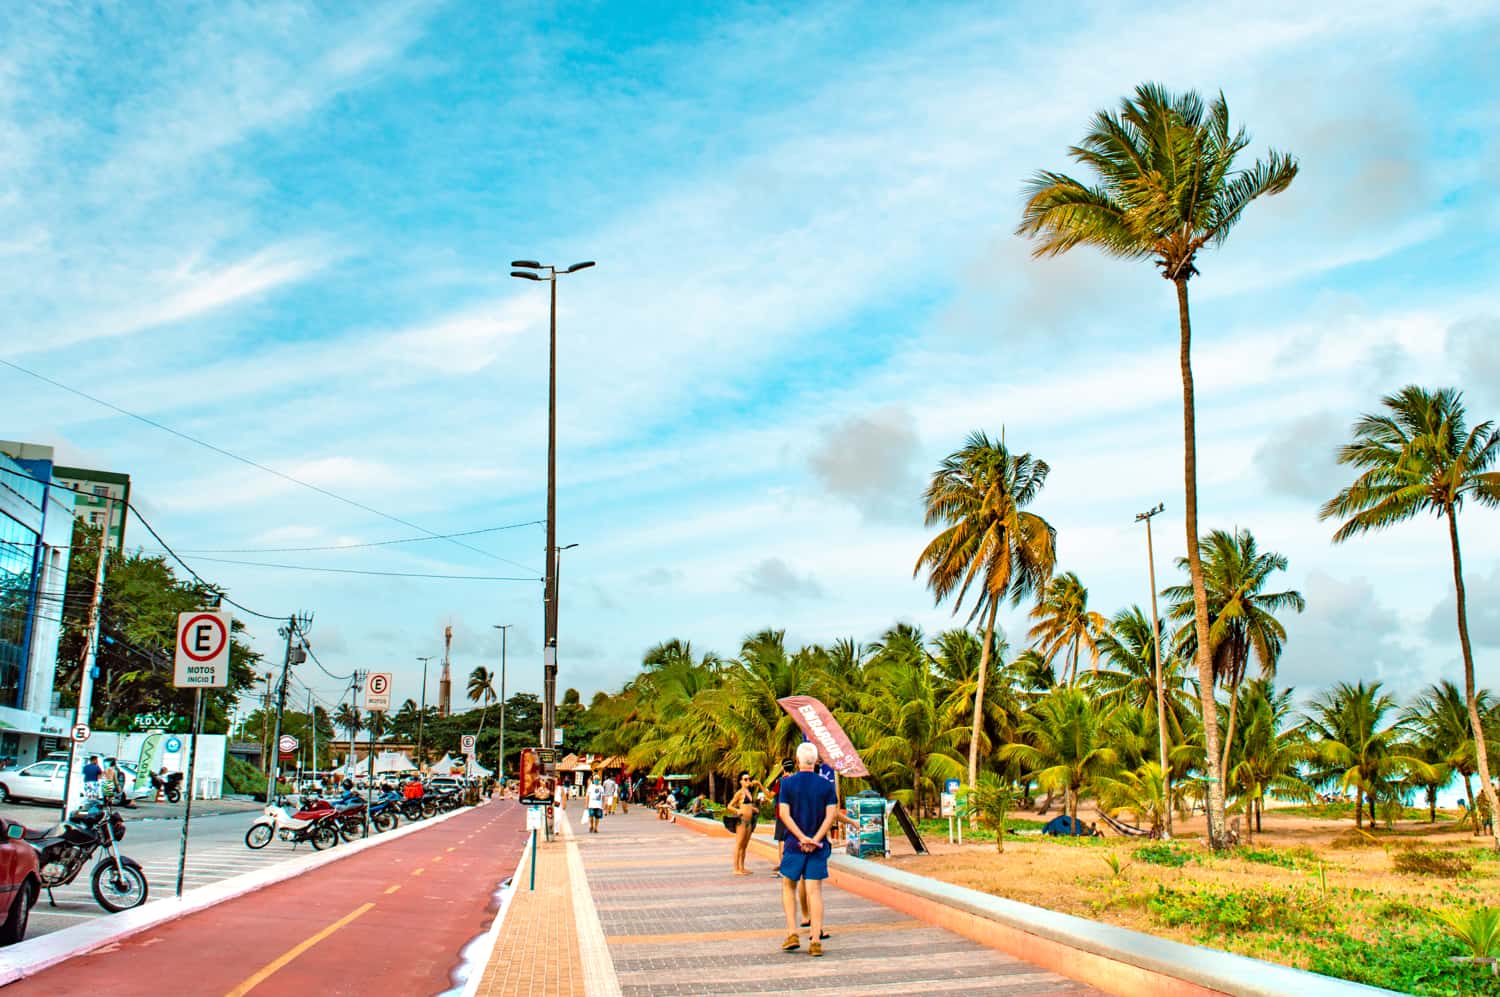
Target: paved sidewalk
<point>675,920</point>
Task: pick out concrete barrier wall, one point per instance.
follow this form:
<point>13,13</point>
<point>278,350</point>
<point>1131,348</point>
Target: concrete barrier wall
<point>1118,960</point>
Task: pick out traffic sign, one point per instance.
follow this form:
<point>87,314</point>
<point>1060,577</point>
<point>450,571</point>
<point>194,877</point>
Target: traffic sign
<point>288,744</point>
<point>202,650</point>
<point>172,745</point>
<point>81,733</point>
<point>378,691</point>
<point>470,744</point>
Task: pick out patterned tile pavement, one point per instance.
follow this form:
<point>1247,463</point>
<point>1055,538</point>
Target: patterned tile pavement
<point>537,954</point>
<point>677,921</point>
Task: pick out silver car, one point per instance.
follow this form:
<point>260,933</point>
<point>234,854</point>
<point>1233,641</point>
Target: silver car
<point>39,781</point>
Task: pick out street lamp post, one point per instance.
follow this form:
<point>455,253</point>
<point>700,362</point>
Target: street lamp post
<point>532,270</point>
<point>1161,688</point>
<point>422,717</point>
<point>503,628</point>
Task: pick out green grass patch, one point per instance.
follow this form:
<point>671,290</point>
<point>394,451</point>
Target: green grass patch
<point>1163,854</point>
<point>1408,962</point>
<point>1232,912</point>
<point>1267,856</point>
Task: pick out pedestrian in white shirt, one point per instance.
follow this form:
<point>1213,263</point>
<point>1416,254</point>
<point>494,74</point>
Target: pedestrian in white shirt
<point>596,804</point>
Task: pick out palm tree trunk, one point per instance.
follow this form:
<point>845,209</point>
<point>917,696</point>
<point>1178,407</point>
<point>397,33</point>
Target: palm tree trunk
<point>984,671</point>
<point>1210,708</point>
<point>1432,804</point>
<point>1234,703</point>
<point>711,795</point>
<point>1473,814</point>
<point>1359,807</point>
<point>1481,750</point>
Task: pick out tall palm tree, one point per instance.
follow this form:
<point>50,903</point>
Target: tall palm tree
<point>1241,615</point>
<point>1065,745</point>
<point>1358,747</point>
<point>1440,720</point>
<point>1420,456</point>
<point>979,493</point>
<point>351,721</point>
<point>1166,188</point>
<point>956,658</point>
<point>1270,753</point>
<point>905,728</point>
<point>481,689</point>
<point>1064,621</point>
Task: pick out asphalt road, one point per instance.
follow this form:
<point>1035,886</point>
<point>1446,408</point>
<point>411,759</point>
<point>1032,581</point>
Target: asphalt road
<point>216,851</point>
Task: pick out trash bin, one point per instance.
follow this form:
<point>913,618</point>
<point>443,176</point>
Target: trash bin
<point>867,840</point>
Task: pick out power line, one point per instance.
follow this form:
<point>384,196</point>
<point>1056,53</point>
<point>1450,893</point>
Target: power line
<point>357,571</point>
<point>203,581</point>
<point>312,654</point>
<point>250,463</point>
<point>358,546</point>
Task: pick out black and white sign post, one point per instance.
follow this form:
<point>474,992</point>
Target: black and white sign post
<point>377,700</point>
<point>202,663</point>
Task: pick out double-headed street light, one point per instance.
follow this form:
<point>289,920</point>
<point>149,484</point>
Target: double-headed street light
<point>1161,687</point>
<point>532,270</point>
<point>504,628</point>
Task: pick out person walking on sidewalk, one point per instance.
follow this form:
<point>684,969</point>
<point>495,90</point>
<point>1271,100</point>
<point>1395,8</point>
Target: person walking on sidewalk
<point>611,789</point>
<point>91,774</point>
<point>595,804</point>
<point>560,795</point>
<point>809,806</point>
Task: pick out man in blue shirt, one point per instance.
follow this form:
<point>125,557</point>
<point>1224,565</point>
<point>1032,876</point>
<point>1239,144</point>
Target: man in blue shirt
<point>807,806</point>
<point>91,774</point>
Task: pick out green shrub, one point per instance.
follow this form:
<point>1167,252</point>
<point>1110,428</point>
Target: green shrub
<point>1408,963</point>
<point>1430,862</point>
<point>1234,911</point>
<point>1267,856</point>
<point>1168,855</point>
<point>243,778</point>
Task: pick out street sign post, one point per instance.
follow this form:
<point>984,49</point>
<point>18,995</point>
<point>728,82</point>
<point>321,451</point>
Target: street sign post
<point>202,662</point>
<point>378,692</point>
<point>81,733</point>
<point>288,745</point>
<point>469,744</point>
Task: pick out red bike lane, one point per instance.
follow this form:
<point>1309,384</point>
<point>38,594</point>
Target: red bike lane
<point>391,919</point>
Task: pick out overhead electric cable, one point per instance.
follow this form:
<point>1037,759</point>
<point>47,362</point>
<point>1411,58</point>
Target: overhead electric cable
<point>212,587</point>
<point>358,546</point>
<point>357,571</point>
<point>250,463</point>
<point>314,656</point>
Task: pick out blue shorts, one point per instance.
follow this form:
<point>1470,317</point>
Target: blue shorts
<point>596,812</point>
<point>797,864</point>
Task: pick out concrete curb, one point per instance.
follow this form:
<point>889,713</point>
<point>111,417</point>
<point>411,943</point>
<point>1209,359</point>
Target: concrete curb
<point>1116,959</point>
<point>31,957</point>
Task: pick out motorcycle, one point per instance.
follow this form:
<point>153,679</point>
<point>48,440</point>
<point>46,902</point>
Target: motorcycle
<point>315,821</point>
<point>118,881</point>
<point>351,814</point>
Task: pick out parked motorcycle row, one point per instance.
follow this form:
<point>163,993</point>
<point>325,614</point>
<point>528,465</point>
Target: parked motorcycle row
<point>322,823</point>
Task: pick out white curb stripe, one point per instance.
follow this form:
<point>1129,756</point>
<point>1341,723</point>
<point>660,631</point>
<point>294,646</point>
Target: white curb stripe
<point>486,950</point>
<point>31,957</point>
<point>599,978</point>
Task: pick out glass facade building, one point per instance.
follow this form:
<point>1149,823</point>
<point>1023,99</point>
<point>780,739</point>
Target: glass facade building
<point>22,510</point>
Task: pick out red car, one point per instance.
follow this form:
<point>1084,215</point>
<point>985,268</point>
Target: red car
<point>20,882</point>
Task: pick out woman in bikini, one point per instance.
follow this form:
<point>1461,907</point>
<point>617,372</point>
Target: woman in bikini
<point>746,806</point>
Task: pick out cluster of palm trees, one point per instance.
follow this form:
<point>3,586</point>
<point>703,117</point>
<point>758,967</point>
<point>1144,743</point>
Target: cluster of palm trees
<point>1165,188</point>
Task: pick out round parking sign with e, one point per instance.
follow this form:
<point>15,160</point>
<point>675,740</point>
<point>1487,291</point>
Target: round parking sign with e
<point>173,744</point>
<point>81,733</point>
<point>379,684</point>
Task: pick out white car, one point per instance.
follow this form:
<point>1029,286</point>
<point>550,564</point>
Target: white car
<point>444,784</point>
<point>39,781</point>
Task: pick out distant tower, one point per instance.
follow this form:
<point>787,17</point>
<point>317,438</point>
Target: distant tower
<point>445,684</point>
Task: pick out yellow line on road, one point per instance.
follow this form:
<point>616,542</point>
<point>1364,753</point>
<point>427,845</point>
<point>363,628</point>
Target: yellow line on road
<point>437,858</point>
<point>392,889</point>
<point>419,870</point>
<point>450,849</point>
<point>271,968</point>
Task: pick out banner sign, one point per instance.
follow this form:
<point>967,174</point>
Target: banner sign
<point>824,731</point>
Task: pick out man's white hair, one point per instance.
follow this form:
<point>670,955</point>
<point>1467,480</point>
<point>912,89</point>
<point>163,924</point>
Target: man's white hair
<point>807,754</point>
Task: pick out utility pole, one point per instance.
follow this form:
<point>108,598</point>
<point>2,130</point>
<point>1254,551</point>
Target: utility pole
<point>265,716</point>
<point>500,771</point>
<point>422,717</point>
<point>295,655</point>
<point>90,660</point>
<point>1161,689</point>
<point>359,677</point>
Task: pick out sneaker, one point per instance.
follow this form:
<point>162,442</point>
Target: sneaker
<point>792,943</point>
<point>816,948</point>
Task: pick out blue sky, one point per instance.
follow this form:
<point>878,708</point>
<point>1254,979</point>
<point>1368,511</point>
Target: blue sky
<point>286,229</point>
